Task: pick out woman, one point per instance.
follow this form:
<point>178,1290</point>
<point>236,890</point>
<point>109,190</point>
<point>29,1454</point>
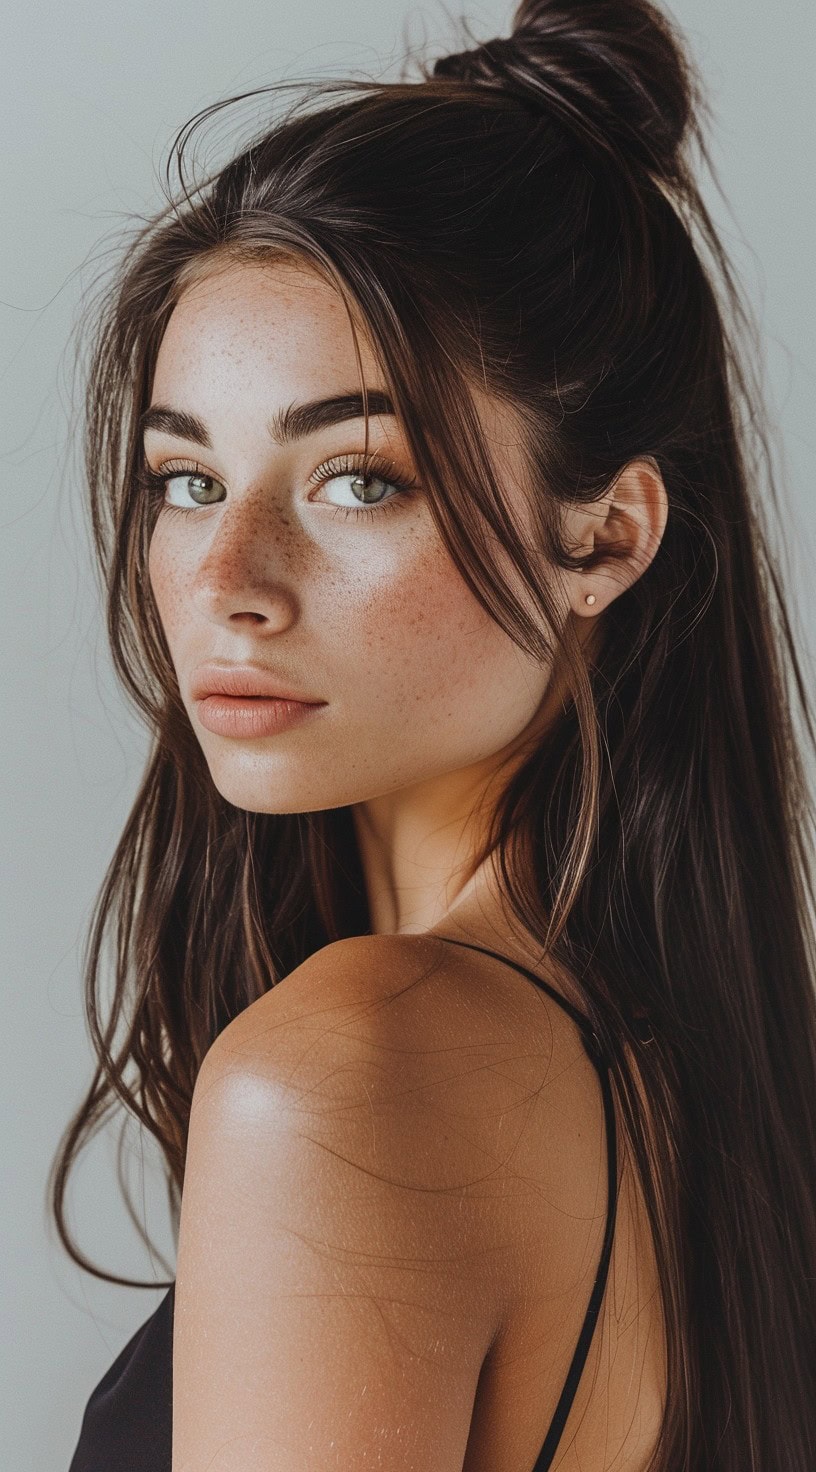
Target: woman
<point>464,953</point>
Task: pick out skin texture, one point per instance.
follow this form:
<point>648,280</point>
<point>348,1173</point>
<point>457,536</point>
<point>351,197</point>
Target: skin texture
<point>355,1246</point>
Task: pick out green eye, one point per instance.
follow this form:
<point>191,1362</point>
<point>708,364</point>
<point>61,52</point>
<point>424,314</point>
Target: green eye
<point>369,480</point>
<point>207,491</point>
<point>366,477</point>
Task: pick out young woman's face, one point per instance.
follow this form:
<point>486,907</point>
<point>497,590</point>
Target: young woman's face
<point>280,562</point>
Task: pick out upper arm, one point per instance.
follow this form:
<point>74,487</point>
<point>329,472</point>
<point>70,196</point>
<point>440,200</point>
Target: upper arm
<point>333,1302</point>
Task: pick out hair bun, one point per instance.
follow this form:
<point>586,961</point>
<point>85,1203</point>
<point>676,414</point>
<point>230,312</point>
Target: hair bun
<point>615,71</point>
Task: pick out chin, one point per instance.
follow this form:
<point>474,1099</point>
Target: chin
<point>270,794</point>
<point>257,784</point>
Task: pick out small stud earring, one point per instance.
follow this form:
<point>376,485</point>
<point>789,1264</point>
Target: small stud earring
<point>590,597</point>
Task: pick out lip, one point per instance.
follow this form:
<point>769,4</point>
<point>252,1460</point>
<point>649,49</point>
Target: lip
<point>253,716</point>
<point>245,680</point>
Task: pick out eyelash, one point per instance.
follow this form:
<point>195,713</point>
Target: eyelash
<point>374,467</point>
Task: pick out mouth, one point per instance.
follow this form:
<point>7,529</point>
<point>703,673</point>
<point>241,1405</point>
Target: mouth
<point>252,716</point>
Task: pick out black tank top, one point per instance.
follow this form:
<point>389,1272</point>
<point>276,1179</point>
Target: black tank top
<point>127,1423</point>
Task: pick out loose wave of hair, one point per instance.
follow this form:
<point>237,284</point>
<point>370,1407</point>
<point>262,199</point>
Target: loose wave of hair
<point>522,219</point>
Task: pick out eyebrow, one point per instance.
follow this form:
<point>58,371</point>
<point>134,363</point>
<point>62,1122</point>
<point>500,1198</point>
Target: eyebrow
<point>294,423</point>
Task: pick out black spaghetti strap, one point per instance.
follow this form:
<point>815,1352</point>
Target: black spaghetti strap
<point>601,1063</point>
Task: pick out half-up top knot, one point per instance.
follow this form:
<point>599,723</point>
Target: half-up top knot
<point>613,71</point>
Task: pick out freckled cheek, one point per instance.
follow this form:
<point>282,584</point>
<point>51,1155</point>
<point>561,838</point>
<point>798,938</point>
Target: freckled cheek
<point>421,634</point>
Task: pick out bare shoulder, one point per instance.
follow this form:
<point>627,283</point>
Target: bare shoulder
<point>437,1065</point>
<point>389,1159</point>
<point>415,1063</point>
<point>413,1006</point>
<point>332,1238</point>
<point>373,971</point>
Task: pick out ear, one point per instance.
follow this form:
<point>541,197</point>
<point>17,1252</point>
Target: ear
<point>623,530</point>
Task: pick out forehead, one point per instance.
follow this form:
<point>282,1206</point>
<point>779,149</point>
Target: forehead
<point>279,317</point>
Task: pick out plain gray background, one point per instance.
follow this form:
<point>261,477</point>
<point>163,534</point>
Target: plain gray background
<point>91,96</point>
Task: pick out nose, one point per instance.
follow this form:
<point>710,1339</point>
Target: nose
<point>248,568</point>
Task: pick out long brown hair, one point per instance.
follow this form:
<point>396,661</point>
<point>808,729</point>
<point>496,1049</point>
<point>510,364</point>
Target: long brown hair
<point>524,218</point>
